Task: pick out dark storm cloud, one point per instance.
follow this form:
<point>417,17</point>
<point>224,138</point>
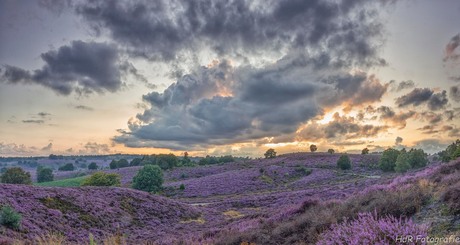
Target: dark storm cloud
<point>166,30</point>
<point>387,114</point>
<point>431,117</point>
<point>416,97</point>
<point>454,93</point>
<point>81,67</point>
<point>438,101</point>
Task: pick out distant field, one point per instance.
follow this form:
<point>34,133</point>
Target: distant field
<point>72,182</point>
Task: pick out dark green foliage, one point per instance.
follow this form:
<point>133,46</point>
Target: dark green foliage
<point>102,179</point>
<point>2,170</point>
<point>92,166</point>
<point>113,164</point>
<point>182,187</point>
<point>67,167</point>
<point>303,170</point>
<point>149,178</point>
<point>344,162</point>
<point>331,151</point>
<point>313,148</point>
<point>16,175</point>
<point>10,218</point>
<point>388,160</point>
<point>270,153</point>
<point>415,158</point>
<point>451,152</point>
<point>135,162</point>
<point>122,163</point>
<point>167,161</point>
<point>44,174</point>
<point>365,151</point>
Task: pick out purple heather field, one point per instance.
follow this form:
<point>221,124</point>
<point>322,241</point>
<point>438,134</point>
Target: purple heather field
<point>244,201</point>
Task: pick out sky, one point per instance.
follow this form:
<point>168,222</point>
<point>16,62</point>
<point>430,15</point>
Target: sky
<point>227,77</point>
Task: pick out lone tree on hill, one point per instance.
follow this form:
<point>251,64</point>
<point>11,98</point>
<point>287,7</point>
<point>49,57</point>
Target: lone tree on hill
<point>149,178</point>
<point>365,151</point>
<point>331,151</point>
<point>44,174</point>
<point>270,153</point>
<point>313,148</point>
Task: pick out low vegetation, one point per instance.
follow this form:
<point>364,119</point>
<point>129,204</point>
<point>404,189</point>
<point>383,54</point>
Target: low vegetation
<point>102,179</point>
<point>16,175</point>
<point>10,218</point>
<point>344,162</point>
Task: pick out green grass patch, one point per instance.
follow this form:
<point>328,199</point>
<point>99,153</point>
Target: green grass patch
<point>72,182</point>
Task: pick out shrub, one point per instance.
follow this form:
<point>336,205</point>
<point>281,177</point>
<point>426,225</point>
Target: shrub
<point>167,161</point>
<point>388,160</point>
<point>344,162</point>
<point>365,151</point>
<point>182,187</point>
<point>371,230</point>
<point>122,163</point>
<point>402,163</point>
<point>92,166</point>
<point>44,175</point>
<point>135,162</point>
<point>313,148</point>
<point>331,151</point>
<point>149,178</point>
<point>102,179</point>
<point>415,158</point>
<point>303,170</point>
<point>270,153</point>
<point>67,167</point>
<point>10,218</point>
<point>16,175</point>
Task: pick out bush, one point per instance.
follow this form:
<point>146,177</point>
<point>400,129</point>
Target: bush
<point>16,175</point>
<point>415,158</point>
<point>122,163</point>
<point>182,187</point>
<point>303,171</point>
<point>102,179</point>
<point>313,148</point>
<point>371,230</point>
<point>135,162</point>
<point>331,151</point>
<point>44,175</point>
<point>387,162</point>
<point>92,166</point>
<point>10,218</point>
<point>67,167</point>
<point>451,152</point>
<point>365,151</point>
<point>344,162</point>
<point>270,153</point>
<point>167,161</point>
<point>149,178</point>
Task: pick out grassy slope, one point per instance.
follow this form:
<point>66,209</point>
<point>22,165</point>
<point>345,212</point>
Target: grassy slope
<point>72,182</point>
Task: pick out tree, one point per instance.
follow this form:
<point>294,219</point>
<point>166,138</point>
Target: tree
<point>365,151</point>
<point>122,163</point>
<point>402,162</point>
<point>331,151</point>
<point>388,160</point>
<point>344,162</point>
<point>270,153</point>
<point>44,174</point>
<point>167,161</point>
<point>415,158</point>
<point>135,162</point>
<point>102,179</point>
<point>92,166</point>
<point>67,167</point>
<point>113,164</point>
<point>313,148</point>
<point>16,175</point>
<point>149,178</point>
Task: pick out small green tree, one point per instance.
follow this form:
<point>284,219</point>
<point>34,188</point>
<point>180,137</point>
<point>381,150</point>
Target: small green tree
<point>122,163</point>
<point>149,178</point>
<point>92,166</point>
<point>402,162</point>
<point>388,160</point>
<point>365,151</point>
<point>102,179</point>
<point>182,187</point>
<point>135,162</point>
<point>44,174</point>
<point>344,162</point>
<point>331,151</point>
<point>113,164</point>
<point>270,153</point>
<point>16,175</point>
<point>313,148</point>
<point>417,158</point>
<point>10,218</point>
<point>167,161</point>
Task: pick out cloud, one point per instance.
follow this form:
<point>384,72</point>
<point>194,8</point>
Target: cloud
<point>83,107</point>
<point>451,47</point>
<point>164,30</point>
<point>388,115</point>
<point>34,121</point>
<point>48,147</point>
<point>428,129</point>
<point>454,93</point>
<point>43,114</point>
<point>398,140</point>
<point>419,96</point>
<point>431,117</point>
<point>13,149</point>
<point>416,97</point>
<point>430,145</point>
<point>396,87</point>
<point>82,68</point>
<point>95,148</point>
